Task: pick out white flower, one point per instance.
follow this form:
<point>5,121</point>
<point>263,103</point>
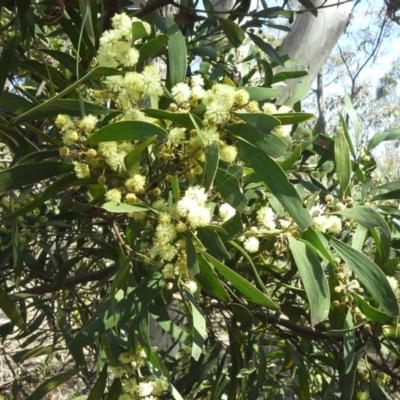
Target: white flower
<point>129,57</point>
<point>113,195</point>
<point>197,80</point>
<point>191,286</point>
<point>133,82</point>
<point>333,224</point>
<point>199,216</point>
<point>198,92</point>
<point>136,183</point>
<point>217,112</point>
<point>70,137</point>
<point>81,170</point>
<point>196,193</point>
<point>106,57</point>
<point>393,282</point>
<point>242,97</point>
<point>177,135</point>
<point>145,389</point>
<point>114,83</point>
<point>228,154</point>
<point>168,271</point>
<point>266,216</point>
<point>251,244</point>
<point>226,211</point>
<point>269,108</point>
<point>107,149</point>
<point>207,136</point>
<point>282,130</point>
<point>181,92</point>
<point>160,385</point>
<point>165,233</point>
<point>184,205</point>
<point>319,223</point>
<point>151,81</point>
<point>117,161</point>
<point>88,123</point>
<point>168,252</point>
<point>284,110</point>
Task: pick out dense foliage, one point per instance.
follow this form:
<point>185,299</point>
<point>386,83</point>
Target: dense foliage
<point>184,236</point>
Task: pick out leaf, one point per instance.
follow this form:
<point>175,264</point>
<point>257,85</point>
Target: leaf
<point>210,282</point>
<point>183,119</point>
<point>138,31</point>
<point>283,76</point>
<point>232,31</point>
<point>240,283</point>
<point>199,327</point>
<point>308,5</point>
<point>132,160</point>
<point>342,161</point>
<point>262,122</point>
<point>349,342</point>
<point>211,164</point>
<point>230,189</point>
<point>369,275</point>
<point>293,118</point>
<point>192,263</point>
<point>370,312</point>
<point>12,312</point>
<point>177,53</point>
<point>127,130</point>
<point>21,356</point>
<point>300,91</point>
<point>26,174</point>
<point>6,60</point>
<point>114,207</point>
<point>353,118</point>
<point>376,392</point>
<point>261,93</point>
<point>14,104</point>
<point>276,180</point>
<point>212,242</point>
<point>65,60</point>
<point>266,48</point>
<point>313,278</point>
<point>51,384</point>
<point>117,309</point>
<point>270,144</point>
<point>378,138</point>
<point>100,386</point>
<point>367,217</point>
<point>150,49</point>
<point>36,111</point>
<point>296,154</point>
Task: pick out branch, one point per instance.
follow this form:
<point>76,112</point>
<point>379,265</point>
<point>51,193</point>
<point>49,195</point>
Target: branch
<point>71,282</point>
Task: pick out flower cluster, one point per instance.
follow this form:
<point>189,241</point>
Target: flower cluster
<point>116,49</point>
<point>149,388</point>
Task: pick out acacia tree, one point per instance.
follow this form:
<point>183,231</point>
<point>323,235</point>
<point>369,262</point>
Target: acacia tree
<point>126,196</point>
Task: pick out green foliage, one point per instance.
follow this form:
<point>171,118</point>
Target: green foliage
<point>185,236</point>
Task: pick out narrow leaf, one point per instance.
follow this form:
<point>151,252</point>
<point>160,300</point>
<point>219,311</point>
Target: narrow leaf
<point>275,178</point>
<point>313,278</point>
<point>51,384</point>
<point>12,312</point>
<point>26,174</point>
<point>127,130</point>
<point>232,31</point>
<point>266,48</point>
<point>176,53</point>
<point>342,160</point>
<point>211,164</point>
<point>132,160</point>
<point>349,342</point>
<point>244,286</point>
<point>370,275</point>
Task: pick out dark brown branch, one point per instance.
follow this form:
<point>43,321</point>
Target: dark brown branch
<point>72,282</point>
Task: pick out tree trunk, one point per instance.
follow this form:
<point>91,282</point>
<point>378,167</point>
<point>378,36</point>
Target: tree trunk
<point>312,39</point>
